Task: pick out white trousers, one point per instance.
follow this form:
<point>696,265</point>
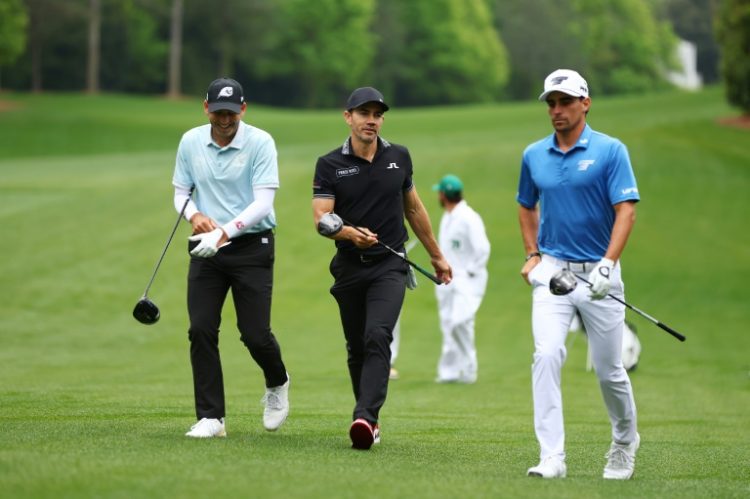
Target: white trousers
<point>458,357</point>
<point>603,320</point>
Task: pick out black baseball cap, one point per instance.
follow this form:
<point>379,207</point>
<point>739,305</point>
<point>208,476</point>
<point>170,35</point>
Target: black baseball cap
<point>364,95</point>
<point>225,93</point>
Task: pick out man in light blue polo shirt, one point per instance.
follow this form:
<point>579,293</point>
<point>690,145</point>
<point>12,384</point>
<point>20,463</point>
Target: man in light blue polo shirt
<point>584,186</point>
<point>231,170</point>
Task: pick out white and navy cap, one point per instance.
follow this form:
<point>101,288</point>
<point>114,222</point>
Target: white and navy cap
<point>364,95</point>
<point>225,94</point>
<point>566,81</point>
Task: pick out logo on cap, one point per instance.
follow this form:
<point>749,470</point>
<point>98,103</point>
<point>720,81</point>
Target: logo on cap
<point>559,79</point>
<point>225,92</point>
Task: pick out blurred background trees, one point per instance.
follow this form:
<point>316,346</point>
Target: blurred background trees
<point>13,22</point>
<point>733,29</point>
<point>306,53</point>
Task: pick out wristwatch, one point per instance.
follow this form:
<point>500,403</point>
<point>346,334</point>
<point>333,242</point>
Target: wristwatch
<point>532,255</point>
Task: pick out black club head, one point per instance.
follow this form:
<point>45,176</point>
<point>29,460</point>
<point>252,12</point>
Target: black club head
<point>146,311</point>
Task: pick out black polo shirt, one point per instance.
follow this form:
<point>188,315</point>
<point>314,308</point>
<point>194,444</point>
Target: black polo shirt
<point>367,194</point>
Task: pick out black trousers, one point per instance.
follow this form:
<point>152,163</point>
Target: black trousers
<point>246,267</point>
<point>369,296</point>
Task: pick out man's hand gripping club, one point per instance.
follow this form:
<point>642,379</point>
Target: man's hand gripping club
<point>600,279</point>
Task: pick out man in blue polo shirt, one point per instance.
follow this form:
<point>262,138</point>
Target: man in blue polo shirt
<point>584,185</point>
<point>233,170</point>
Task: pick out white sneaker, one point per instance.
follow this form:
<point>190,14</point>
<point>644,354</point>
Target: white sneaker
<point>621,460</point>
<point>549,467</point>
<point>207,428</point>
<point>376,434</point>
<point>276,401</point>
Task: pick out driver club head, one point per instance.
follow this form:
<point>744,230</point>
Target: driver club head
<point>146,311</point>
<point>563,283</point>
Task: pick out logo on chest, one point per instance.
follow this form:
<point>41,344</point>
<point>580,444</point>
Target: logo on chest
<point>584,164</point>
<point>240,160</point>
<point>347,172</point>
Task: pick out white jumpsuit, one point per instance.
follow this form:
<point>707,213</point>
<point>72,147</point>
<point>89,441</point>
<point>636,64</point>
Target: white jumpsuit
<point>464,243</point>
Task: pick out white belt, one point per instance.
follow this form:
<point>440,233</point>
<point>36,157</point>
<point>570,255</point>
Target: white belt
<point>572,266</point>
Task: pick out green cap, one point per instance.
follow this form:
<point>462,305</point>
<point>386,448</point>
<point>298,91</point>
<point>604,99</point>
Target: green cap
<point>450,184</point>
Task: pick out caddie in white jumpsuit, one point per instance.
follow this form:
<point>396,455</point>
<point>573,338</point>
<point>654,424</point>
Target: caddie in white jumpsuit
<point>464,243</point>
<point>584,185</point>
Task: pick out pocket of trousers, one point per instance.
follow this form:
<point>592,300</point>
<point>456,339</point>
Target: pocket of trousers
<point>539,275</point>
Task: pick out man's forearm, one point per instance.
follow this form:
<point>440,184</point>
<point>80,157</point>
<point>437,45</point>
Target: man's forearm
<point>624,221</point>
<point>529,220</point>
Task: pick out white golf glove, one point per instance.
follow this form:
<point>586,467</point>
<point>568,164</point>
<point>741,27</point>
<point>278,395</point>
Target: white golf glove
<point>208,241</point>
<point>411,276</point>
<point>600,279</point>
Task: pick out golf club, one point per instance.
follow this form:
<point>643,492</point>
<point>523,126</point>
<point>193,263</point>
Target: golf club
<point>416,267</point>
<point>563,283</point>
<point>146,311</point>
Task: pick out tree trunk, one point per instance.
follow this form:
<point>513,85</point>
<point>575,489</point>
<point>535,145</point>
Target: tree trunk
<point>35,47</point>
<point>175,50</point>
<point>94,49</point>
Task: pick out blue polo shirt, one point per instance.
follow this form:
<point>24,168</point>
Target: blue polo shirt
<point>576,191</point>
<point>224,177</point>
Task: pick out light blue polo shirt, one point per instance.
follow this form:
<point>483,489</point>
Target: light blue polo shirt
<point>224,177</point>
<point>576,191</point>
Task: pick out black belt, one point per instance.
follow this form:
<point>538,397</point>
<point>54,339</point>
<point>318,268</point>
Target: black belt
<point>249,236</point>
<point>363,258</point>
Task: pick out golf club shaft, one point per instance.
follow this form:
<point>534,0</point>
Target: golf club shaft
<point>169,240</point>
<point>642,313</point>
<point>416,267</point>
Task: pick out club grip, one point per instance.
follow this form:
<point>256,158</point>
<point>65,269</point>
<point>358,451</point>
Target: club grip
<point>429,276</point>
<point>671,331</point>
<point>424,272</point>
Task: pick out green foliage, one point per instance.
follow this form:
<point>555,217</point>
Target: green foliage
<point>624,48</point>
<point>451,53</point>
<point>226,40</point>
<point>13,22</point>
<point>95,404</point>
<point>390,31</point>
<point>619,46</point>
<point>312,53</point>
<point>733,33</point>
<point>56,47</point>
<point>136,50</point>
<point>325,47</point>
<point>537,42</point>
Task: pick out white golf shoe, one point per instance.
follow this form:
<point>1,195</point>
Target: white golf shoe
<point>376,434</point>
<point>207,428</point>
<point>621,460</point>
<point>549,467</point>
<point>276,401</point>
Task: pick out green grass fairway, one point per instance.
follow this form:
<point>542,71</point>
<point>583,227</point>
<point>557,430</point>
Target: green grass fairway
<point>94,404</point>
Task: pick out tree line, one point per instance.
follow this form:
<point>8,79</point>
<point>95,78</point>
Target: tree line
<point>310,53</point>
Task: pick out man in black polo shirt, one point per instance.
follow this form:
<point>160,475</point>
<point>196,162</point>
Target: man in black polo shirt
<point>368,182</point>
